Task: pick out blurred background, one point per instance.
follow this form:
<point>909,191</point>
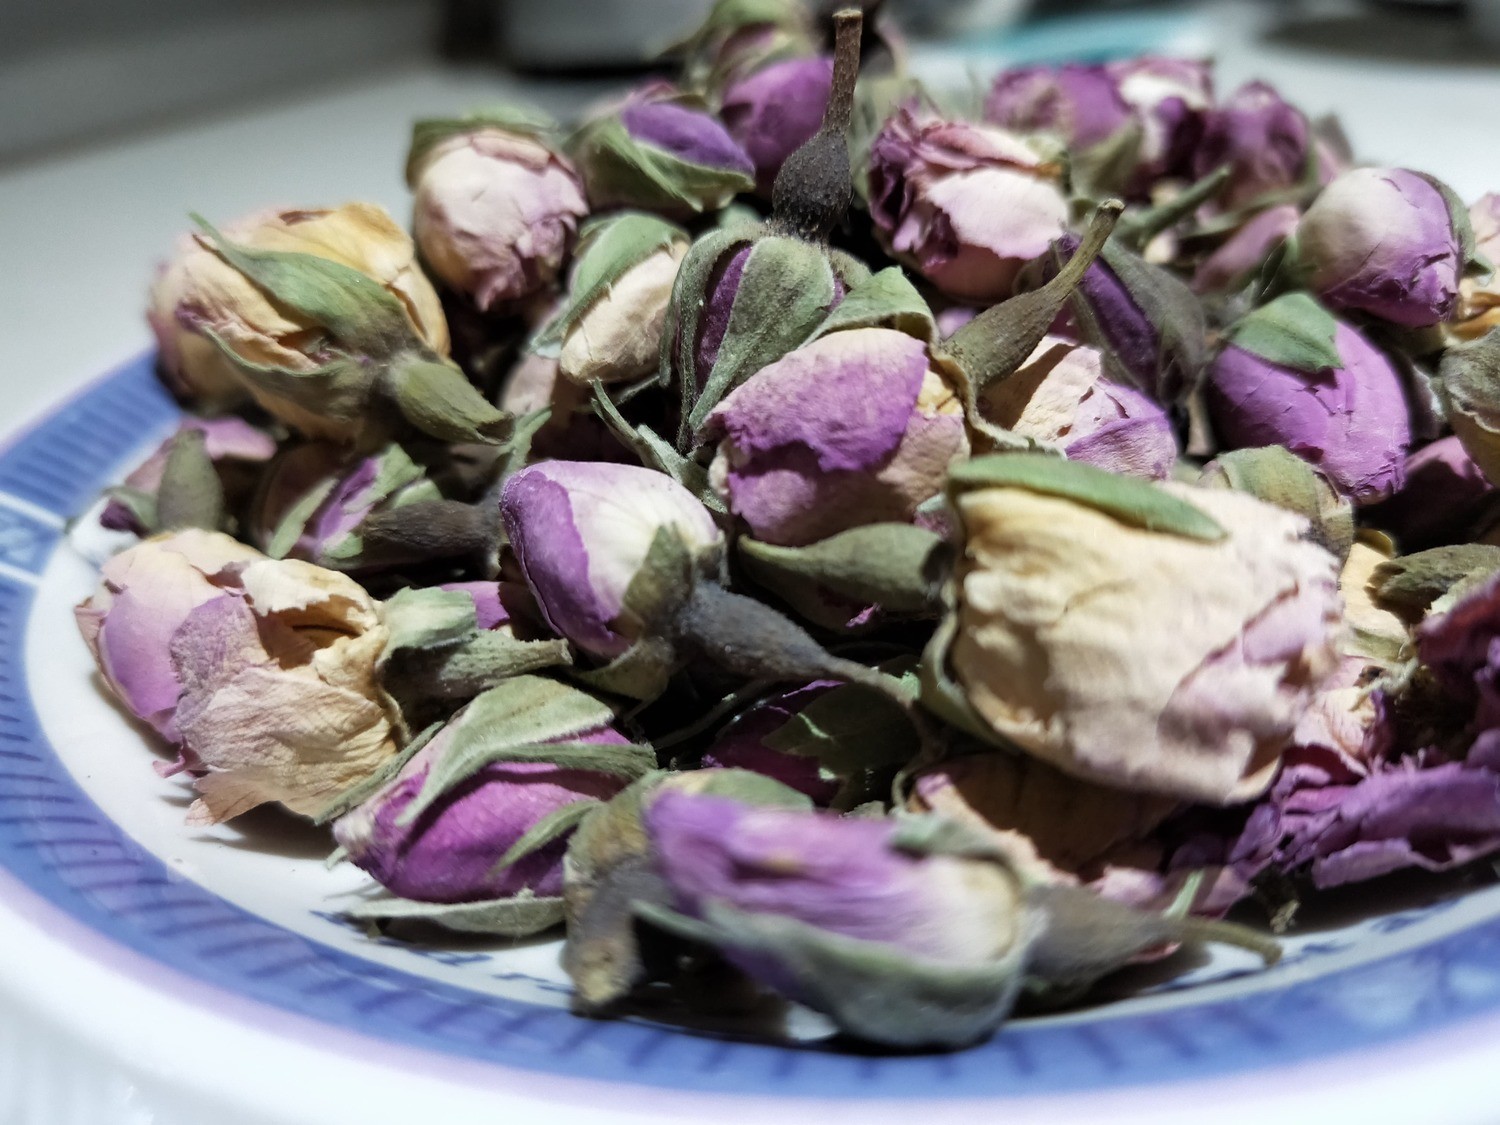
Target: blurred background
<point>118,117</point>
<point>74,70</point>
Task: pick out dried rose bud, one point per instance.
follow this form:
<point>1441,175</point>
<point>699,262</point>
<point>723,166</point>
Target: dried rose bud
<point>609,327</point>
<point>965,205</point>
<point>270,666</point>
<point>144,596</point>
<point>314,499</point>
<point>581,533</point>
<point>1444,498</point>
<point>199,296</point>
<point>233,447</point>
<point>1327,394</point>
<point>1243,253</point>
<point>738,37</point>
<point>833,912</point>
<point>798,465</point>
<point>1061,396</point>
<point>660,152</point>
<point>1265,140</point>
<point>1059,646</point>
<point>1171,98</point>
<point>776,110</point>
<point>1079,103</point>
<point>1149,326</point>
<point>451,851</point>
<point>495,207</point>
<point>1387,242</point>
<point>1479,297</point>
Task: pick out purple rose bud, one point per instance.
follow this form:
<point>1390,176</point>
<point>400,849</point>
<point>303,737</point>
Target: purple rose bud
<point>314,499</point>
<point>743,744</point>
<point>1382,241</point>
<point>1445,496</point>
<point>857,427</point>
<point>1264,140</point>
<point>495,213</point>
<point>1061,396</point>
<point>693,136</point>
<point>774,111</point>
<point>1459,647</point>
<point>1351,422</point>
<point>492,601</point>
<point>581,532</point>
<point>231,443</point>
<point>1170,98</point>
<point>1243,253</point>
<point>840,875</point>
<point>449,852</point>
<point>1078,102</point>
<point>966,205</point>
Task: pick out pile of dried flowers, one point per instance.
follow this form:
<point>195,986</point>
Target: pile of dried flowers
<point>918,562</point>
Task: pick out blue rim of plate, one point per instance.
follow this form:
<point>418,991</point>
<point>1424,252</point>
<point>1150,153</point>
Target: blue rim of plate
<point>62,846</point>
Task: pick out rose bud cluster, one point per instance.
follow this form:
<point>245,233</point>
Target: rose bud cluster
<point>912,563</point>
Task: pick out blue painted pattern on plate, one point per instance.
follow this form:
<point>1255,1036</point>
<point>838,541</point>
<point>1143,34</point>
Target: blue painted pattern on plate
<point>59,843</point>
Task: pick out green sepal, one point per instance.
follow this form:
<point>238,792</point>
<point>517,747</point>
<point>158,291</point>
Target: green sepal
<point>679,339</point>
<point>942,695</point>
<point>141,505</point>
<point>871,990</point>
<point>608,249</point>
<point>1292,331</point>
<point>521,916</point>
<point>291,525</point>
<point>1409,584</point>
<point>1472,262</point>
<point>1278,476</point>
<point>361,791</point>
<point>357,311</point>
<point>517,717</point>
<point>487,659</point>
<point>1107,167</point>
<point>430,132</point>
<point>884,300</point>
<point>641,672</point>
<point>784,292</point>
<point>848,729</point>
<point>438,399</point>
<point>618,167</point>
<point>1135,502</point>
<point>1469,388</point>
<point>655,452</point>
<point>339,391</point>
<point>1171,307</point>
<point>191,493</point>
<point>897,566</point>
<point>554,826</point>
<point>427,618</point>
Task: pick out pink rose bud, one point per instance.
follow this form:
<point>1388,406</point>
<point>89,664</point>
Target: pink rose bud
<point>581,532</point>
<point>1061,396</point>
<point>1265,141</point>
<point>776,110</point>
<point>495,213</point>
<point>1384,241</point>
<point>198,295</point>
<point>450,851</point>
<point>1343,409</point>
<point>857,427</point>
<point>265,671</point>
<point>966,205</point>
<point>743,745</point>
<point>1079,103</point>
